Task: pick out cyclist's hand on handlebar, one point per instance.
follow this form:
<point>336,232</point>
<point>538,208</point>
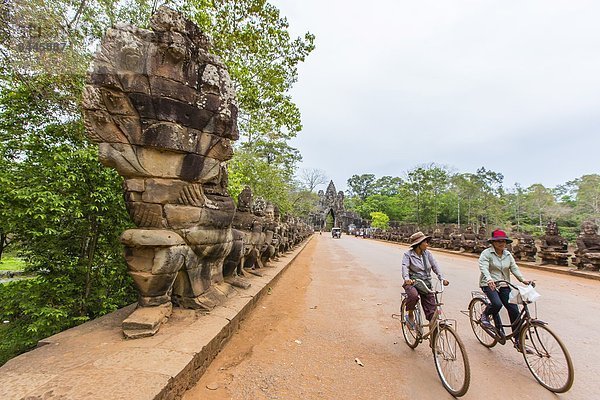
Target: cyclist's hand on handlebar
<point>445,282</point>
<point>492,285</point>
<point>532,283</point>
<point>409,282</point>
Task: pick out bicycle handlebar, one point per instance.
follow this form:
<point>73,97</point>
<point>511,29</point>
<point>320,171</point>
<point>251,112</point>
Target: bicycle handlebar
<point>532,283</point>
<point>427,287</point>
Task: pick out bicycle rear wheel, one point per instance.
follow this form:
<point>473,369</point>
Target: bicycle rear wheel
<point>411,334</point>
<point>476,308</point>
<point>547,357</point>
<point>451,361</point>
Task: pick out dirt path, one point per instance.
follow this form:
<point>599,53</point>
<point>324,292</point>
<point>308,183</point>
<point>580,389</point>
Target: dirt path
<point>333,305</point>
<point>279,352</point>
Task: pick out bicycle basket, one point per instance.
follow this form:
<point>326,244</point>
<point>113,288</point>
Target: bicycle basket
<point>524,294</point>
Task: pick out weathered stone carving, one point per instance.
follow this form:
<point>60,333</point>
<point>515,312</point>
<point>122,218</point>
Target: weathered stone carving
<point>523,247</point>
<point>553,247</point>
<point>455,239</point>
<point>446,237</point>
<point>331,202</point>
<point>587,255</point>
<point>436,238</point>
<point>481,243</point>
<point>281,233</point>
<point>163,112</point>
<point>468,240</point>
<point>271,243</point>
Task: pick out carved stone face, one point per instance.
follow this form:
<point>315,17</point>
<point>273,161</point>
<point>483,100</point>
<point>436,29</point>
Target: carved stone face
<point>159,104</point>
<point>589,228</point>
<point>259,207</point>
<point>245,200</point>
<point>527,240</point>
<point>551,229</point>
<point>270,212</point>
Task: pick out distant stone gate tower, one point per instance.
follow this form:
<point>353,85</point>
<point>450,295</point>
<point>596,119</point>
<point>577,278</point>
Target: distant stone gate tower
<point>331,203</point>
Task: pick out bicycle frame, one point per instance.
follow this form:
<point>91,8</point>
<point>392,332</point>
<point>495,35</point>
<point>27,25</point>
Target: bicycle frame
<point>449,355</point>
<point>523,320</point>
<point>438,315</point>
<point>544,353</point>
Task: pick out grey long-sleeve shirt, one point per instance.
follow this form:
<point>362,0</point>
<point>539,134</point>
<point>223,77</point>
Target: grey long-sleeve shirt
<point>413,263</point>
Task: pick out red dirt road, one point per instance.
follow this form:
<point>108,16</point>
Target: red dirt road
<point>333,307</point>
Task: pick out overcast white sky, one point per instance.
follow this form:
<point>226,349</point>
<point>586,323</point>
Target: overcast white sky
<point>511,85</point>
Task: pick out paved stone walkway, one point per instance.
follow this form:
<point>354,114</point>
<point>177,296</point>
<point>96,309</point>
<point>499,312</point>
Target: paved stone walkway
<point>94,360</point>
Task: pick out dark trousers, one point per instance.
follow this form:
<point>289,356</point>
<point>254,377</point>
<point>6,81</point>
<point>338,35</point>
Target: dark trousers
<point>427,301</point>
<point>498,298</point>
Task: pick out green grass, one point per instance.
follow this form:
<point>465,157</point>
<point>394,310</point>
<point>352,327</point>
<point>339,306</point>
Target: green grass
<point>11,264</point>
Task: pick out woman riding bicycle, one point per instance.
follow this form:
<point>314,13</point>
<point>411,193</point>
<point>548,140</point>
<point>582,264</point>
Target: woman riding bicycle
<point>417,263</point>
<point>496,263</point>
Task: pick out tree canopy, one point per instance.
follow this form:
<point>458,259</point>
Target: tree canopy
<point>431,194</point>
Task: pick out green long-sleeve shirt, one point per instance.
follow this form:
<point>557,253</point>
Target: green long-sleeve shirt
<point>495,268</point>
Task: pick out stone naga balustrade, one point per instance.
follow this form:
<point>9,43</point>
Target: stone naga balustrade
<point>163,112</point>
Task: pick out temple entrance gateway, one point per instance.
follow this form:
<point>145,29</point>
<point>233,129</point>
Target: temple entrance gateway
<point>331,213</point>
<point>329,221</point>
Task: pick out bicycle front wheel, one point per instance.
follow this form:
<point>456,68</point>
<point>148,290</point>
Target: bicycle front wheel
<point>410,331</point>
<point>547,357</point>
<point>451,361</point>
<point>476,308</point>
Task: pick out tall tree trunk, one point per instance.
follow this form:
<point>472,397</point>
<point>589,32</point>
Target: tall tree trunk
<point>4,242</point>
<point>88,257</point>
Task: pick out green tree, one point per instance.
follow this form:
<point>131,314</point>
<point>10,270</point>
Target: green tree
<point>588,197</point>
<point>479,197</point>
<point>387,186</point>
<point>266,180</point>
<point>418,185</point>
<point>515,202</point>
<point>539,200</point>
<point>426,184</point>
<point>440,181</point>
<point>361,186</point>
<point>379,220</point>
<point>302,202</point>
<point>253,39</point>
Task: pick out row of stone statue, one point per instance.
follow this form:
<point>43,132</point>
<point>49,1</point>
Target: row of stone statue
<point>163,111</point>
<point>198,268</point>
<point>553,248</point>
